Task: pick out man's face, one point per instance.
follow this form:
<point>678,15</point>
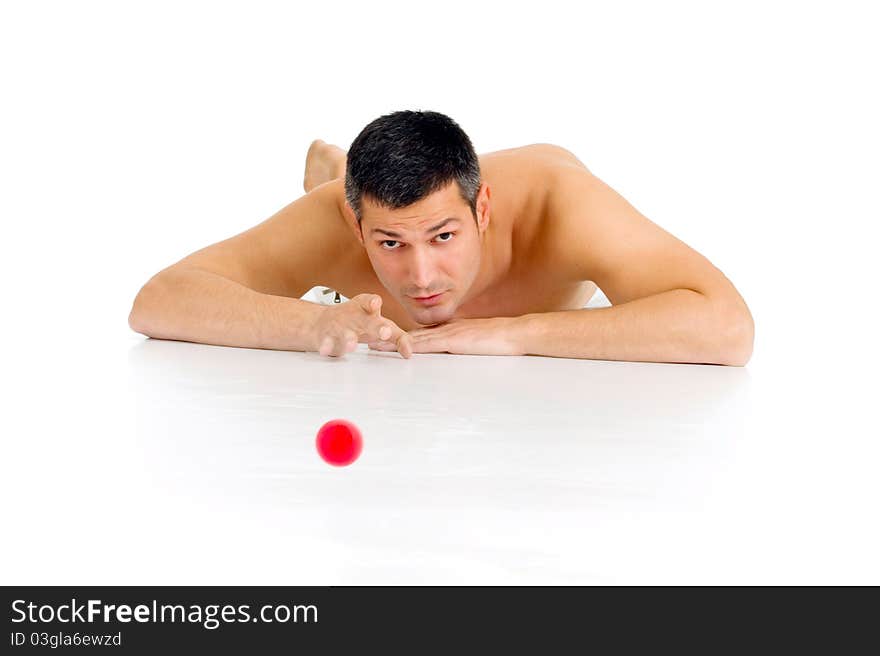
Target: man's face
<point>432,247</point>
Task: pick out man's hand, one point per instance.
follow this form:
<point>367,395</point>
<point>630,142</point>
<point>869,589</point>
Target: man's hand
<point>492,336</point>
<point>339,328</point>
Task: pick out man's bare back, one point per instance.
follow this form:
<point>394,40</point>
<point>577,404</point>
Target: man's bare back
<point>518,255</point>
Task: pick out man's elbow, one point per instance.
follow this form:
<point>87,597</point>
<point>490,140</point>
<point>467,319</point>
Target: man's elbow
<point>136,319</point>
<point>139,319</point>
<point>136,323</point>
<point>739,339</point>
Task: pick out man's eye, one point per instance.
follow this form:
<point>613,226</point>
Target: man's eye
<point>392,241</point>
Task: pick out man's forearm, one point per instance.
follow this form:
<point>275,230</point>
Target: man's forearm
<point>680,325</point>
<point>199,306</point>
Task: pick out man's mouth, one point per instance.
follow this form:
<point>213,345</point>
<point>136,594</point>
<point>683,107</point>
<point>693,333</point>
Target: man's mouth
<point>428,299</point>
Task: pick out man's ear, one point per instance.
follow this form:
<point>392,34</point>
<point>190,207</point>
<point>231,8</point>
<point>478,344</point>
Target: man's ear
<point>352,222</point>
<point>483,207</point>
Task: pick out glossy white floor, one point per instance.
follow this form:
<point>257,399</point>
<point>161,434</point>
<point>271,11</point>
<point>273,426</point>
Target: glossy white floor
<point>148,461</point>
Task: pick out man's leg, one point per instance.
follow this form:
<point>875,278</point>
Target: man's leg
<point>324,162</point>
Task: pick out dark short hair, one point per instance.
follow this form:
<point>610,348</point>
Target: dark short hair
<point>402,157</point>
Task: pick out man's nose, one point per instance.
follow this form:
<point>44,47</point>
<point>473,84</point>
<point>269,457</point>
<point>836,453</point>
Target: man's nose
<point>422,272</point>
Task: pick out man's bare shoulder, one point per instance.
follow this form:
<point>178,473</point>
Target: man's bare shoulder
<point>598,235</point>
<point>525,181</point>
<point>541,157</point>
<point>299,247</point>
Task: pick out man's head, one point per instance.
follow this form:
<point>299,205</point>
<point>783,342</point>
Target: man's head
<point>407,174</point>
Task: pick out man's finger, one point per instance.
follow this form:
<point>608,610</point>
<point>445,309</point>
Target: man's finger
<point>405,345</point>
<point>370,303</point>
<point>381,329</point>
<point>383,346</point>
<point>429,344</point>
<point>351,341</point>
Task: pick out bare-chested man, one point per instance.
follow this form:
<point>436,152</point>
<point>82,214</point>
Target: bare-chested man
<point>443,251</point>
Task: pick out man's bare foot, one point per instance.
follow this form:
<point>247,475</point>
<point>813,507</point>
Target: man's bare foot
<point>324,162</point>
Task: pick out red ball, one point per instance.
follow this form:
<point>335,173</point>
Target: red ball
<point>339,442</point>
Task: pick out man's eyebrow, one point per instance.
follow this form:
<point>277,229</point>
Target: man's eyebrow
<point>391,233</point>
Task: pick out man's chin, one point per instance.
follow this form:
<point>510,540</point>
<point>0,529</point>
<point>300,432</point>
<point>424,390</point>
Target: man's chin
<point>431,316</point>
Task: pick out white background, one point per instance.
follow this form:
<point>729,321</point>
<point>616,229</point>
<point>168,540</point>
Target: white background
<point>132,134</point>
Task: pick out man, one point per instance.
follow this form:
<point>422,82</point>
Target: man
<point>440,250</point>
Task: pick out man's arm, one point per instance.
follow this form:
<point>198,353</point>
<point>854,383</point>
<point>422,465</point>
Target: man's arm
<point>672,326</point>
<point>195,305</point>
<point>669,303</point>
<point>679,325</point>
<point>244,291</point>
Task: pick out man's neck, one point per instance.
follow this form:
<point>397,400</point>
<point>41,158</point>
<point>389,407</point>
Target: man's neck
<point>495,260</point>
